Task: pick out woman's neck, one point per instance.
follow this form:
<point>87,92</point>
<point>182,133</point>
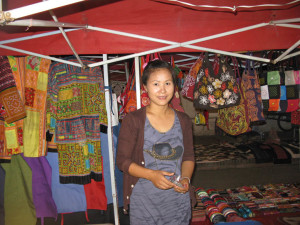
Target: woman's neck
<point>158,110</point>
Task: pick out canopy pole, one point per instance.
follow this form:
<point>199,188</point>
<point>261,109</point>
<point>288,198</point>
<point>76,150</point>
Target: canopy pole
<point>37,8</point>
<point>291,55</point>
<point>110,144</point>
<point>34,36</point>
<point>184,43</point>
<point>294,20</point>
<point>288,25</point>
<point>67,39</point>
<point>43,23</point>
<point>127,71</point>
<point>39,55</point>
<point>137,82</point>
<point>286,52</point>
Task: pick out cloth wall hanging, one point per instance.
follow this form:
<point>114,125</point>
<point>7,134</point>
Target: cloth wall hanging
<point>31,75</point>
<point>76,108</point>
<point>41,187</point>
<point>106,168</point>
<point>216,91</point>
<point>68,197</point>
<point>12,112</point>
<point>2,180</point>
<point>18,200</point>
<point>12,107</point>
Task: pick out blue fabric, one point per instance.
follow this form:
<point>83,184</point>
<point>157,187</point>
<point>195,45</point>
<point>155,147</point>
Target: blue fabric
<point>67,197</point>
<point>282,92</point>
<point>2,179</point>
<point>106,168</point>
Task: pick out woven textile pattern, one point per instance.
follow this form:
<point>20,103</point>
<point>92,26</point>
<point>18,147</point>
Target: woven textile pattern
<point>253,96</point>
<point>11,134</point>
<point>11,103</point>
<point>31,75</point>
<point>75,110</point>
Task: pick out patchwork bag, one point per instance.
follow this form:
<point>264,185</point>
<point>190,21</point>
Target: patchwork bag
<point>189,82</point>
<point>216,91</point>
<point>252,90</point>
<point>235,120</point>
<point>280,90</point>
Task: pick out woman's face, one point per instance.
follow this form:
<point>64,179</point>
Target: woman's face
<point>160,87</point>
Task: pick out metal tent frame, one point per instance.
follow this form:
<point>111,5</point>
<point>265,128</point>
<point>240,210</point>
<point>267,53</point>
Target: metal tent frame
<point>10,16</point>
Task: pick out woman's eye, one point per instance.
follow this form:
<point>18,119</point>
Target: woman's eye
<point>168,83</point>
<point>155,84</point>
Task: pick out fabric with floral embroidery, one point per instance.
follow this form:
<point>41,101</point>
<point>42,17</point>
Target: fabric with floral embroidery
<point>75,110</point>
<point>215,91</point>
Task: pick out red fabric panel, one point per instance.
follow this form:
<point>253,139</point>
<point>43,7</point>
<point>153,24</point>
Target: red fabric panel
<point>95,195</point>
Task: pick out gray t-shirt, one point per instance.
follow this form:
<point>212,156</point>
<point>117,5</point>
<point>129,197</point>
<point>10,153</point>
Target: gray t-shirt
<point>148,204</point>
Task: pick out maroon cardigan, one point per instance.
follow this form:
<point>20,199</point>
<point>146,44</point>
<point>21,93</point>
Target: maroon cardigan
<point>131,143</point>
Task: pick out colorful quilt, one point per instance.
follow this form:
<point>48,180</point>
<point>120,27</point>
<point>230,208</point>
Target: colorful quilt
<point>75,110</point>
<point>12,112</point>
<point>31,75</point>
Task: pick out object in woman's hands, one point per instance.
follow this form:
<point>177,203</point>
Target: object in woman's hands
<point>175,180</point>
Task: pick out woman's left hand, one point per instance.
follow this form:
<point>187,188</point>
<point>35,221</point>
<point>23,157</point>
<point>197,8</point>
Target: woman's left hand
<point>184,188</point>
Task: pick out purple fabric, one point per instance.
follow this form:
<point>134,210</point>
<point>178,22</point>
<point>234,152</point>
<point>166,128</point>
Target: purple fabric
<point>41,187</point>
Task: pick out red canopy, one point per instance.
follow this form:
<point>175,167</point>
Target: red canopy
<point>167,20</point>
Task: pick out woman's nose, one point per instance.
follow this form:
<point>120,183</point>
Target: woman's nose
<point>163,89</point>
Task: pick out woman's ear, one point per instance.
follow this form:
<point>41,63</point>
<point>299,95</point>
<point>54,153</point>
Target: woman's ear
<point>145,87</point>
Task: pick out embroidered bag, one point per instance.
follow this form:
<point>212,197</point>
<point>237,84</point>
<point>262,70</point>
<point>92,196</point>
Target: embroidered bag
<point>176,102</point>
<point>215,91</point>
<point>128,98</point>
<point>252,93</point>
<point>235,120</point>
<point>189,83</point>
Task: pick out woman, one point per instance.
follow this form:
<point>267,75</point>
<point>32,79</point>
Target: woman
<point>155,145</point>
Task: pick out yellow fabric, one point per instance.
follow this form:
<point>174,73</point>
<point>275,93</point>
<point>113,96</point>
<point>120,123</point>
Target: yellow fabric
<point>42,81</point>
<point>31,134</point>
<point>11,138</point>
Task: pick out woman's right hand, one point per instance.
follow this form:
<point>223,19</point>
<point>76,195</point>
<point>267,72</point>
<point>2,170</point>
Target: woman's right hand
<point>160,181</point>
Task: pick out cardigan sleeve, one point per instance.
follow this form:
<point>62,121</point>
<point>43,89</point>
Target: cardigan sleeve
<point>187,131</point>
<point>126,143</point>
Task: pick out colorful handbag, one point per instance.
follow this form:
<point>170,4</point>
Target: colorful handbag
<point>189,82</point>
<point>235,120</point>
<point>216,91</point>
<point>251,86</point>
<point>279,91</point>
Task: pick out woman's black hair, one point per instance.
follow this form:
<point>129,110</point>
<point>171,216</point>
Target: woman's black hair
<point>156,65</point>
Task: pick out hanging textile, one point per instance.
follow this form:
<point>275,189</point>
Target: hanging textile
<point>12,107</point>
<point>67,197</point>
<point>41,187</point>
<point>12,112</point>
<point>106,168</point>
<point>2,180</point>
<point>18,200</point>
<point>75,110</point>
<point>31,75</point>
